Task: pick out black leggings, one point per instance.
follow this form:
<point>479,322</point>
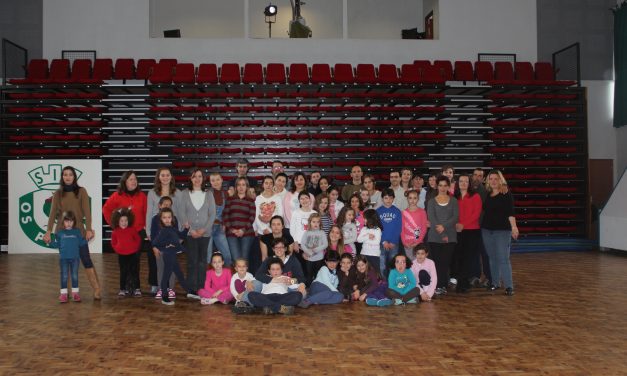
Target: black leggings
<point>393,294</point>
<point>83,253</point>
<point>129,271</point>
<point>171,265</point>
<point>441,254</point>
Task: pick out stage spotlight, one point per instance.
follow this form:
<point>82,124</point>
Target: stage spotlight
<point>270,10</point>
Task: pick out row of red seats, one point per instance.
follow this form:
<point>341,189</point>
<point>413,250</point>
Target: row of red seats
<point>58,137</point>
<point>168,71</point>
<point>297,109</point>
<point>227,177</point>
<point>346,164</point>
<point>525,190</point>
<point>65,109</point>
<point>292,122</point>
<point>530,163</point>
<point>543,176</point>
<point>294,94</point>
<point>533,149</point>
<point>54,124</point>
<point>548,229</point>
<point>55,96</point>
<point>294,136</point>
<point>536,110</point>
<point>525,203</point>
<point>527,216</point>
<point>533,123</point>
<point>55,151</point>
<point>533,136</point>
<point>297,150</point>
<point>544,96</point>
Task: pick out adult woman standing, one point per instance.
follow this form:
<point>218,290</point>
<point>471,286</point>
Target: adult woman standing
<point>443,214</point>
<point>468,232</point>
<point>72,197</point>
<point>238,218</point>
<point>375,195</point>
<point>128,196</point>
<point>498,227</point>
<point>198,209</point>
<point>163,186</point>
<point>290,201</point>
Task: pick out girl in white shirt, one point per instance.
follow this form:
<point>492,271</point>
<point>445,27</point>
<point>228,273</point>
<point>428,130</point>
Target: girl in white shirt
<point>267,205</point>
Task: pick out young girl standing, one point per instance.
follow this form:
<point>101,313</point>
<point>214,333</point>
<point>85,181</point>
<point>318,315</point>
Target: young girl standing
<point>217,284</point>
<point>414,222</point>
<point>401,282</point>
<point>68,240</point>
<point>238,218</point>
<point>322,207</point>
<point>313,245</point>
<point>168,242</point>
<point>346,221</point>
<point>300,219</point>
<point>370,237</point>
<point>125,241</point>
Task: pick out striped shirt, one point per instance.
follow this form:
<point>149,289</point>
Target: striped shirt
<point>239,213</point>
<point>326,222</point>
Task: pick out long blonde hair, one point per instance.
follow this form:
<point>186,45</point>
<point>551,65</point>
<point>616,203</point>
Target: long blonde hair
<point>502,180</point>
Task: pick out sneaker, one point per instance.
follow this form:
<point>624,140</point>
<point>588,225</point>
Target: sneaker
<point>509,291</point>
<point>171,294</point>
<point>206,301</point>
<point>76,297</point>
<point>242,308</point>
<point>492,288</point>
<point>440,291</point>
<point>193,295</point>
<point>158,294</point>
<point>304,303</point>
<point>371,301</point>
<point>384,302</point>
<point>412,301</point>
<point>267,311</point>
<point>286,310</point>
<point>165,300</point>
<point>63,298</point>
<point>398,302</point>
<point>137,293</point>
<point>122,293</point>
<point>452,281</point>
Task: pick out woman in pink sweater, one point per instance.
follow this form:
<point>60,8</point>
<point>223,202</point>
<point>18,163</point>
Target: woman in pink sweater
<point>217,284</point>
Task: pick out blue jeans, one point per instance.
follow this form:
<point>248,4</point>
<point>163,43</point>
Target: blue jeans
<point>257,287</point>
<point>319,293</point>
<point>240,247</point>
<point>69,266</point>
<point>386,258</point>
<point>219,238</point>
<point>497,245</point>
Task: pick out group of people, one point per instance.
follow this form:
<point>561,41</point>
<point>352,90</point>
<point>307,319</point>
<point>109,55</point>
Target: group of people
<point>308,241</point>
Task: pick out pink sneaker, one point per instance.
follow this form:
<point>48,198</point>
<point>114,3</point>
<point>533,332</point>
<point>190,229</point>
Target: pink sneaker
<point>158,294</point>
<point>171,294</point>
<point>63,298</point>
<point>76,297</point>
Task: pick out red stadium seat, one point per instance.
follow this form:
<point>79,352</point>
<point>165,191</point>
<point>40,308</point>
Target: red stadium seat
<point>230,73</point>
<point>422,65</point>
<point>103,69</point>
<point>275,73</point>
<point>60,71</point>
<point>544,72</point>
<point>36,72</point>
<point>484,71</point>
<point>432,75</point>
<point>464,71</point>
<point>524,72</point>
<point>446,69</point>
<point>161,74</point>
<point>207,74</point>
<point>503,73</point>
<point>253,73</point>
<point>365,74</point>
<point>321,74</point>
<point>410,74</point>
<point>81,71</point>
<point>299,74</point>
<point>184,73</point>
<point>343,74</point>
<point>144,68</point>
<point>388,74</point>
<point>124,69</point>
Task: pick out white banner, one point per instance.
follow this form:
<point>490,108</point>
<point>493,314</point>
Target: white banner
<point>31,186</point>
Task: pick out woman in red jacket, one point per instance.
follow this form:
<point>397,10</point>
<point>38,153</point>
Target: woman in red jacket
<point>129,196</point>
<point>469,232</point>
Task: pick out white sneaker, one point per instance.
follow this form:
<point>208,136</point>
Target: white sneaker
<point>205,301</point>
<point>452,281</point>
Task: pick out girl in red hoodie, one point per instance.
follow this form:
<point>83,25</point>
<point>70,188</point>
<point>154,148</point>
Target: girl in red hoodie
<point>125,242</point>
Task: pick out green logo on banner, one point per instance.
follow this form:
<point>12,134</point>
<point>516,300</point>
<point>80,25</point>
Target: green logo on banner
<point>34,207</point>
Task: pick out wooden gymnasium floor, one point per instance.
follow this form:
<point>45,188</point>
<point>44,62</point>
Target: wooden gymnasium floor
<point>568,317</point>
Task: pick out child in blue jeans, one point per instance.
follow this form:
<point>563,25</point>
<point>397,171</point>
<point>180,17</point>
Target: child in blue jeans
<point>69,240</point>
<point>323,289</point>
